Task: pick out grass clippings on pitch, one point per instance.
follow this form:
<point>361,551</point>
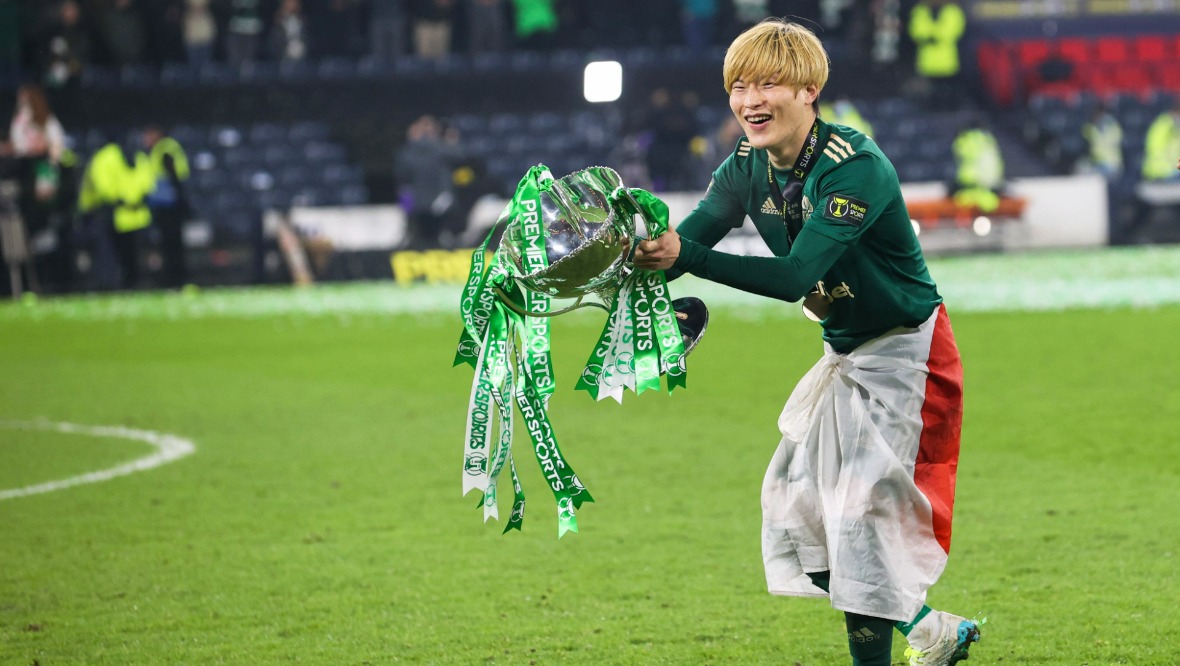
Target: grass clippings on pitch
<point>319,520</point>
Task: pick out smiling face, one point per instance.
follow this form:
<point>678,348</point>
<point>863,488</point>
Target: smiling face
<point>774,116</point>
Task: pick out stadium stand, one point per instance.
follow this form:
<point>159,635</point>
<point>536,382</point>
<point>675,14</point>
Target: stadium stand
<point>323,130</point>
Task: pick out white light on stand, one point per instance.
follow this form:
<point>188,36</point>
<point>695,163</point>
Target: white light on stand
<point>982,226</point>
<point>602,81</point>
<point>917,227</point>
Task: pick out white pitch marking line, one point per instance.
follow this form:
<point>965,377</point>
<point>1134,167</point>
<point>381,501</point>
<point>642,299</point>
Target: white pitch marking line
<point>168,448</point>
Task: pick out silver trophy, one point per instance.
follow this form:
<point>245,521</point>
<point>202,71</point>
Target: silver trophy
<point>589,221</point>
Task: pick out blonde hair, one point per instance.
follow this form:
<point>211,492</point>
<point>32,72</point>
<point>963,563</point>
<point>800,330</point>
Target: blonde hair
<point>776,51</point>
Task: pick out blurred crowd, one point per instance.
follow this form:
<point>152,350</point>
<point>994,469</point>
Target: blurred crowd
<point>97,213</point>
<point>52,206</point>
<point>53,41</point>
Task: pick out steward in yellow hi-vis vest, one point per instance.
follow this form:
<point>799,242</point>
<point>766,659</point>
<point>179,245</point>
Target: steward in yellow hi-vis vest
<point>113,200</point>
<point>110,181</point>
<point>979,169</point>
<point>1162,146</point>
<point>936,28</point>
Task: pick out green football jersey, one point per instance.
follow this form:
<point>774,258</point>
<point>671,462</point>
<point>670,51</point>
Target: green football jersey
<point>878,279</point>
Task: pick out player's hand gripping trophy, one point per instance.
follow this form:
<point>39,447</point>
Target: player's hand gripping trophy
<point>566,238</point>
<point>589,222</point>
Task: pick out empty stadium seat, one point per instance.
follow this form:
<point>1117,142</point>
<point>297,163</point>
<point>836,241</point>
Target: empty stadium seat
<point>468,123</point>
<point>296,176</point>
<point>97,76</point>
<point>1153,49</point>
<point>241,157</point>
<point>203,160</point>
<point>264,133</point>
<point>258,72</point>
<point>506,123</point>
<point>544,123</point>
<point>1113,50</point>
<point>216,74</point>
<point>354,195</point>
<point>373,67</point>
<point>323,151</point>
<point>1169,76</point>
<point>296,70</point>
<point>178,75</point>
<point>225,136</point>
<point>337,175</point>
<point>258,180</point>
<point>1031,52</point>
<point>1077,50</point>
<point>301,132</point>
<point>276,199</point>
<point>240,225</point>
<point>330,69</point>
<point>211,180</point>
<point>277,154</point>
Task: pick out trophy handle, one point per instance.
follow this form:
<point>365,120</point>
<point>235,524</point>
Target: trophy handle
<point>640,210</point>
<point>577,304</point>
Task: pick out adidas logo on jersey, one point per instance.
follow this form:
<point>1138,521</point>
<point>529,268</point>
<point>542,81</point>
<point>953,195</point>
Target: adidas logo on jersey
<point>769,208</point>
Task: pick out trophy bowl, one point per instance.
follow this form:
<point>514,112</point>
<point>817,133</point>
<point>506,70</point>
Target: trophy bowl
<point>585,237</point>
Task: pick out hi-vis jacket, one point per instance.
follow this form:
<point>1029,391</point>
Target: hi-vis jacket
<point>110,181</point>
<point>937,37</point>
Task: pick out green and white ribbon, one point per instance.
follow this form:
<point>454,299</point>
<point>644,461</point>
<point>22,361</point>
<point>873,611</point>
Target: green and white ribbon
<point>511,354</point>
<point>641,339</point>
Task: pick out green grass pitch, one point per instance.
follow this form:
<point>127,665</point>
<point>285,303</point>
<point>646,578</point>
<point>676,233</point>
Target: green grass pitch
<point>319,520</point>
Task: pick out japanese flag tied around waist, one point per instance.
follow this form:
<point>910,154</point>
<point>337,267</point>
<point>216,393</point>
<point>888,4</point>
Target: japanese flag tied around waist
<point>839,494</point>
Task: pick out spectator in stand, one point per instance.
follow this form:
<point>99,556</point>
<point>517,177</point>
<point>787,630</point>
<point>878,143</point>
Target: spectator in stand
<point>37,141</point>
<point>433,21</point>
<point>387,28</point>
<point>200,32</point>
<point>487,26</point>
<point>423,169</point>
<point>536,24</point>
<point>65,46</point>
<point>244,32</point>
<point>124,32</point>
<point>288,35</point>
<point>936,26</point>
<point>1162,145</point>
<point>699,19</point>
<point>469,183</point>
<point>1104,135</point>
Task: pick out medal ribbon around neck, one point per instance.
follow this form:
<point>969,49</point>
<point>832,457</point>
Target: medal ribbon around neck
<point>788,200</point>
